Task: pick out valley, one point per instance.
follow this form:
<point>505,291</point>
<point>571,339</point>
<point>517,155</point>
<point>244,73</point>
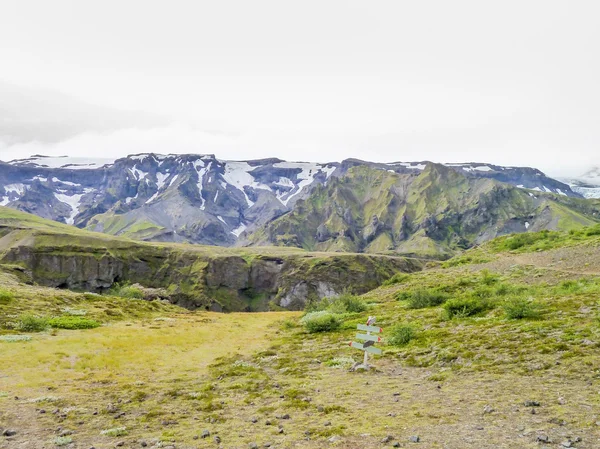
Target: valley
<point>501,353</point>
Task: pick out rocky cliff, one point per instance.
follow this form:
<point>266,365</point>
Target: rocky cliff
<point>194,276</point>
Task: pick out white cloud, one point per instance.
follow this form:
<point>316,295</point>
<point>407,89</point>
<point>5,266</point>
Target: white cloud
<point>512,83</point>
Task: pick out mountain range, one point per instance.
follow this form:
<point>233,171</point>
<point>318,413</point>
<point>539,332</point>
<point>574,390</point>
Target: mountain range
<point>353,205</point>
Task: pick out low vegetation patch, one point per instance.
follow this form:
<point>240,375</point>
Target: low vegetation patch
<point>465,307</point>
<point>347,303</point>
<point>14,338</point>
<point>341,362</point>
<point>115,432</point>
<point>341,304</point>
<point>401,335</point>
<point>6,296</point>
<point>63,441</point>
<point>32,323</point>
<point>398,278</point>
<point>72,322</point>
<point>522,308</point>
<point>422,298</point>
<point>543,240</point>
<point>74,312</point>
<point>465,260</point>
<point>321,321</point>
<point>126,291</point>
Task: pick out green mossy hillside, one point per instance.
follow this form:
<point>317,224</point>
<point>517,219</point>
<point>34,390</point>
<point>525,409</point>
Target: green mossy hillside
<point>434,213</point>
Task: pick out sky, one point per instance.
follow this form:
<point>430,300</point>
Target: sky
<point>511,82</point>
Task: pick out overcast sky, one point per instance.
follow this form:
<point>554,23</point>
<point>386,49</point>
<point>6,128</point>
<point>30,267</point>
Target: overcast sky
<point>511,82</point>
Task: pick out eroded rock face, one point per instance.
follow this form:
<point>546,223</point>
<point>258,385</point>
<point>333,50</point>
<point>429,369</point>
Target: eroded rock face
<point>194,279</point>
<point>228,272</point>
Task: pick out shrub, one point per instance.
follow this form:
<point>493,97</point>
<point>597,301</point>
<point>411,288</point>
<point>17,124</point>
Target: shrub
<point>463,307</point>
<point>488,278</point>
<point>482,292</point>
<point>518,241</point>
<point>6,296</point>
<point>32,323</point>
<point>322,321</point>
<point>72,322</point>
<point>400,335</point>
<point>126,290</point>
<point>130,293</point>
<point>347,303</point>
<point>570,286</point>
<point>521,308</point>
<point>503,289</point>
<point>421,298</point>
<point>595,230</point>
<point>398,278</point>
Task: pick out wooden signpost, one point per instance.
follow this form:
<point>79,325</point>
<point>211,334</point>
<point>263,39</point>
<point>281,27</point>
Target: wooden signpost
<point>368,339</point>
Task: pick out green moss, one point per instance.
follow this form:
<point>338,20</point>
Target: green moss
<point>72,322</point>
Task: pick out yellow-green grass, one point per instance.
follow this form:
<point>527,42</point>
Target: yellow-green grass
<point>126,352</point>
<point>145,368</point>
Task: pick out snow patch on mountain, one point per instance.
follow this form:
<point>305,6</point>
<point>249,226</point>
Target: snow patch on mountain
<point>237,231</point>
<point>72,163</point>
<point>68,183</point>
<point>201,169</point>
<point>470,168</point>
<point>161,180</point>
<point>306,177</point>
<point>138,174</point>
<point>73,201</point>
<point>413,165</point>
<point>238,175</point>
<point>17,188</point>
<point>284,182</point>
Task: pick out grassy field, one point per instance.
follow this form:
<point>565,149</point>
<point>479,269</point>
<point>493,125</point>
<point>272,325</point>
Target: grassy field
<point>496,349</point>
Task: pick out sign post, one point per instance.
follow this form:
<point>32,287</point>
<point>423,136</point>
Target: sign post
<point>368,340</point>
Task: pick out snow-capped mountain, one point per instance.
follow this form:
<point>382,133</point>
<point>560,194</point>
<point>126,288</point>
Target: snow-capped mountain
<point>196,198</point>
<point>193,198</point>
<point>587,185</point>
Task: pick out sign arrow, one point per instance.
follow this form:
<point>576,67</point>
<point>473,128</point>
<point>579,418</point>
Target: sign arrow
<point>368,337</point>
<point>370,349</point>
<point>364,327</point>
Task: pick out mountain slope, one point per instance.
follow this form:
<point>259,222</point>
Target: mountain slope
<point>432,212</point>
<point>194,198</point>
